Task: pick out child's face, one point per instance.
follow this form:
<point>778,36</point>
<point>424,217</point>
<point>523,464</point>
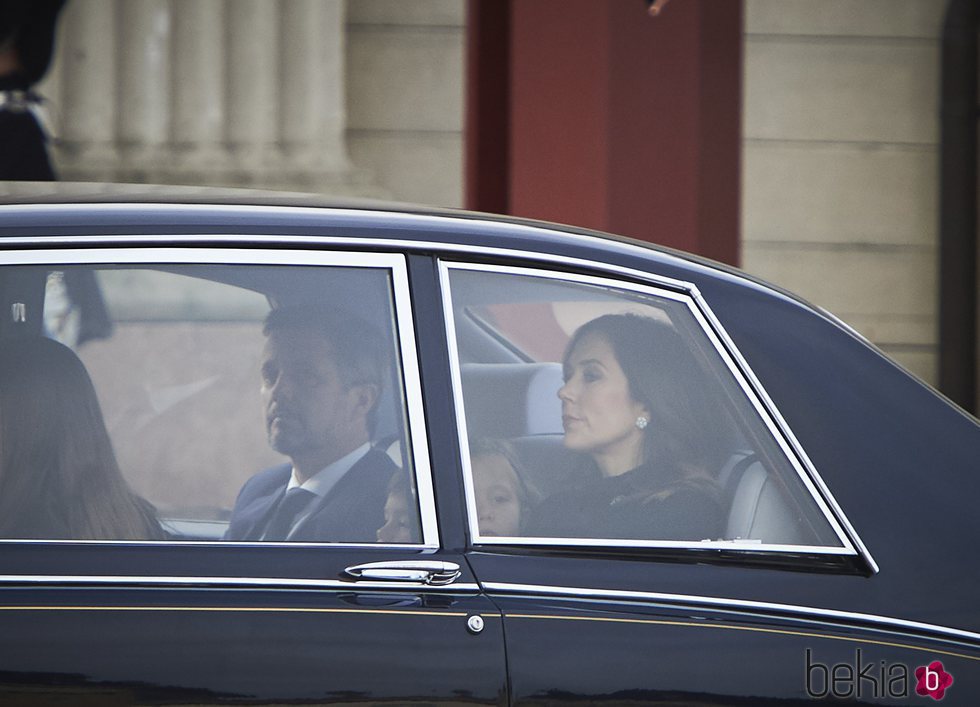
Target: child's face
<point>399,524</point>
<point>498,500</point>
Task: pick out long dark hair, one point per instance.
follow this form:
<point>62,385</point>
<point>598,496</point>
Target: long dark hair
<point>663,376</point>
<point>58,473</point>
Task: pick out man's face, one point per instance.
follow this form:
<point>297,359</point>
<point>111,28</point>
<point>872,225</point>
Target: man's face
<point>310,412</point>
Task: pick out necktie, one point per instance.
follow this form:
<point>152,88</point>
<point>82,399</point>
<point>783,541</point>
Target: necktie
<point>292,504</point>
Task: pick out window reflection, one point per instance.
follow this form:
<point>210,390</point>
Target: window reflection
<point>175,355</point>
<point>622,421</point>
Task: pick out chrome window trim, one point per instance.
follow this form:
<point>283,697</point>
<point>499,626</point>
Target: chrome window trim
<point>687,295</point>
<point>727,603</point>
<point>394,263</point>
<point>250,582</point>
<point>222,543</point>
<point>714,545</point>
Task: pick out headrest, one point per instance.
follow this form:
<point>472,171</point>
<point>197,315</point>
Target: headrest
<point>507,400</point>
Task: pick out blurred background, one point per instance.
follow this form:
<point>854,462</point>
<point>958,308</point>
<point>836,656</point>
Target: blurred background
<point>828,147</point>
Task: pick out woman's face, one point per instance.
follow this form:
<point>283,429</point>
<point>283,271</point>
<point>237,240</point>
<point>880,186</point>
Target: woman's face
<point>598,411</point>
<point>498,501</point>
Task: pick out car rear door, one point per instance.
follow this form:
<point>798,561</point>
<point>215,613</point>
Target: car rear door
<point>779,604</point>
<point>171,337</point>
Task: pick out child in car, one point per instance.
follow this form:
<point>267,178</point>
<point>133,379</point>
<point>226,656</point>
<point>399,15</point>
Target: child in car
<point>502,495</point>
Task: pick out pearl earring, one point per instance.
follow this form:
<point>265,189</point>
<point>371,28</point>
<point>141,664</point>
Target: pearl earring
<point>641,422</point>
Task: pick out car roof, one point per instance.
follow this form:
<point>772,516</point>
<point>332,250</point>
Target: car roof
<point>200,197</point>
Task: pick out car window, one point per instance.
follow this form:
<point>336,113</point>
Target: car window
<point>214,389</point>
<point>598,412</point>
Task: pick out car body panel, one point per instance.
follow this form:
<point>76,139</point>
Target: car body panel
<point>138,645</point>
<point>648,652</point>
<point>562,624</point>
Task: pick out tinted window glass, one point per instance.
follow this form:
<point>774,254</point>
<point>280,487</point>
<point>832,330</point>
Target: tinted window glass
<point>601,413</point>
<point>185,402</point>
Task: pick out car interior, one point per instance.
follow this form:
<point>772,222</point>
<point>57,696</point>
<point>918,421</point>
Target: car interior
<point>173,350</point>
<point>508,394</point>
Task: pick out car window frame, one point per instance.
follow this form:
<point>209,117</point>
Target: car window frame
<point>277,255</point>
<point>687,294</point>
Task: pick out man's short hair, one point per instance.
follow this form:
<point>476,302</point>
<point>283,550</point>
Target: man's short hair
<point>358,349</point>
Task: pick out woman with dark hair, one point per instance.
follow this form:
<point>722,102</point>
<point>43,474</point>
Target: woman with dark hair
<point>59,478</point>
<point>634,404</point>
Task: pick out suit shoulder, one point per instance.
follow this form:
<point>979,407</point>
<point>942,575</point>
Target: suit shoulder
<point>379,464</point>
<point>266,480</point>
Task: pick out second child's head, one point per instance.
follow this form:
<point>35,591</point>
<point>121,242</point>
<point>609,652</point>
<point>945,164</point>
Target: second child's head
<point>502,497</point>
<point>401,514</point>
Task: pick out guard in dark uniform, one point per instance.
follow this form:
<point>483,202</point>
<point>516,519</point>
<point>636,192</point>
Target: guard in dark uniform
<point>26,45</point>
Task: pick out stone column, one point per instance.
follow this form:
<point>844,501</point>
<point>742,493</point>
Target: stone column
<point>199,88</point>
<point>216,92</point>
<point>313,115</point>
<point>252,85</point>
<point>85,108</point>
<point>144,65</point>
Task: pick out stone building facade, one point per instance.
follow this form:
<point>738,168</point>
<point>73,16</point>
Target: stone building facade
<point>841,162</point>
<point>366,97</point>
<point>360,98</point>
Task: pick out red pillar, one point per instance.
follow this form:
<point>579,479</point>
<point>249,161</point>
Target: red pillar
<point>609,118</point>
<point>487,170</point>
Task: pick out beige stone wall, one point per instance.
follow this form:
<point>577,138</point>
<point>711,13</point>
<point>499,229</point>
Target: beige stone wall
<point>840,162</point>
<point>405,96</point>
<point>341,97</point>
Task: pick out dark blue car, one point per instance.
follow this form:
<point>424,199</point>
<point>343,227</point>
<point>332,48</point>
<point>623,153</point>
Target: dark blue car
<point>577,469</point>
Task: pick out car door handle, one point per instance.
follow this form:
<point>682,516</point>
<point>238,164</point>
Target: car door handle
<point>423,571</point>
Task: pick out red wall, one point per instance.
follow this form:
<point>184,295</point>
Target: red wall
<point>603,116</point>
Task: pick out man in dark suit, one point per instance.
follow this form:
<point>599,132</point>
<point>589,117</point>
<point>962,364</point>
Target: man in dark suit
<point>27,30</point>
<point>322,374</point>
